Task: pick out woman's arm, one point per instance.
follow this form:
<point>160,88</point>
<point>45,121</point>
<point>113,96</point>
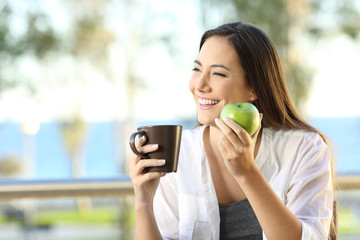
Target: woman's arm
<point>146,227</point>
<point>145,186</point>
<point>237,149</point>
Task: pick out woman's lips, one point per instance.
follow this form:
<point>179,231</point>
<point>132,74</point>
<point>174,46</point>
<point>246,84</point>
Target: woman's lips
<point>207,103</point>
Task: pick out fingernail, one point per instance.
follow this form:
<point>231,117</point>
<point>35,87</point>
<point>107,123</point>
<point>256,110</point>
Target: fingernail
<point>226,119</point>
<point>163,173</point>
<point>142,138</point>
<point>155,146</point>
<point>216,120</point>
<point>161,160</point>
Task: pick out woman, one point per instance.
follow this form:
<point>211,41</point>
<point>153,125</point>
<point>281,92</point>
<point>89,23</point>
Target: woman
<point>276,184</point>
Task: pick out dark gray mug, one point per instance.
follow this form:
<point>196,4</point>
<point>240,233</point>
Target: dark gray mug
<point>168,137</point>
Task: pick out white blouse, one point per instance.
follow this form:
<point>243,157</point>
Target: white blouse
<point>295,163</point>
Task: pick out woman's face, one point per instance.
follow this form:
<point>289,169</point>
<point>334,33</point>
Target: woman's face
<point>218,79</point>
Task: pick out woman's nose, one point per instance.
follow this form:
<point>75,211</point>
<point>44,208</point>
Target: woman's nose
<point>202,84</point>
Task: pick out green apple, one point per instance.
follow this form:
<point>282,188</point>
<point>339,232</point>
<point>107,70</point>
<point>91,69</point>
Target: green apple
<point>245,114</point>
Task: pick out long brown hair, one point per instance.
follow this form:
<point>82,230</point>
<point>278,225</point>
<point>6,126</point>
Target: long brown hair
<point>264,75</point>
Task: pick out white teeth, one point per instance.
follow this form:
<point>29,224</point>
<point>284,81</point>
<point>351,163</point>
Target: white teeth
<point>203,101</point>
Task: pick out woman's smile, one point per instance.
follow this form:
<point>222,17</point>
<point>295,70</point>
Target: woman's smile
<point>207,103</point>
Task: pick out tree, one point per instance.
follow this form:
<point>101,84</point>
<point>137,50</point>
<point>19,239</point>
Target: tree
<point>73,133</point>
<point>38,39</point>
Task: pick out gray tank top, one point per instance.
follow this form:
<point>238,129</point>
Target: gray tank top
<point>238,221</point>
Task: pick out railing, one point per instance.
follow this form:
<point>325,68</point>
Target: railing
<point>347,183</point>
<point>107,187</point>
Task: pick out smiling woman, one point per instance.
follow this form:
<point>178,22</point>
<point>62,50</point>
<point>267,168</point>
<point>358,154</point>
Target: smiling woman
<point>280,177</point>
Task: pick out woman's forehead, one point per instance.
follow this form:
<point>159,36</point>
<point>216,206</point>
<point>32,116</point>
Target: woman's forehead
<point>218,50</point>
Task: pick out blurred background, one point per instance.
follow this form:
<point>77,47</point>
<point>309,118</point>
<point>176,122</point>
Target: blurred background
<point>78,76</point>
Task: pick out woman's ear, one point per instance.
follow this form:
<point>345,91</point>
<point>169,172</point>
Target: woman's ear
<point>252,96</point>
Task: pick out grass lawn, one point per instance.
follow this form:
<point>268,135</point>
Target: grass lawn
<point>349,222</point>
<point>97,215</point>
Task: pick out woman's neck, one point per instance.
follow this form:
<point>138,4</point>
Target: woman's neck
<point>210,140</point>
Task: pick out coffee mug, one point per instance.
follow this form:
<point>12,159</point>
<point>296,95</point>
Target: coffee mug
<point>168,137</point>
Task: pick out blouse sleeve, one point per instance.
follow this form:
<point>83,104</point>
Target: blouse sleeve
<point>166,207</point>
<point>310,194</point>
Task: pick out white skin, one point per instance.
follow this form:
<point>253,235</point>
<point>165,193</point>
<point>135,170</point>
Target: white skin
<point>218,79</point>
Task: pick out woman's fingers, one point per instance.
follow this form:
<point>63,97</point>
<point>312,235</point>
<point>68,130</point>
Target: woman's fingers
<point>232,131</point>
<point>137,176</point>
<point>238,130</point>
<point>140,141</point>
<point>151,176</point>
<point>222,142</point>
<point>143,149</point>
<point>144,163</point>
<point>148,148</point>
<point>138,165</point>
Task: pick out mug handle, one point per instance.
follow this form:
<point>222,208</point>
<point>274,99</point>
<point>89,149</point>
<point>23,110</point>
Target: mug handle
<point>132,143</point>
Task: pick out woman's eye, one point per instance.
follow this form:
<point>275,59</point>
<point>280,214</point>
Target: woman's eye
<point>195,69</point>
<point>219,74</point>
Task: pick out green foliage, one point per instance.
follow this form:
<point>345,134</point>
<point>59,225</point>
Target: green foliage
<point>8,45</point>
<point>89,39</point>
<point>38,39</point>
<point>334,17</point>
<point>271,16</point>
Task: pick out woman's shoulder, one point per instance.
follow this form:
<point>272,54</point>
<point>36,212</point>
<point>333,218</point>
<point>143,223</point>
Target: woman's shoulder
<point>295,138</point>
<point>293,134</point>
<point>297,148</point>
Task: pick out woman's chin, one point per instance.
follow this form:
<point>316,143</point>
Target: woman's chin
<point>207,122</point>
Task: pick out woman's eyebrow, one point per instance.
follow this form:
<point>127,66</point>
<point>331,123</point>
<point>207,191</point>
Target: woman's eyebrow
<point>213,65</point>
<point>198,62</point>
<point>219,65</point>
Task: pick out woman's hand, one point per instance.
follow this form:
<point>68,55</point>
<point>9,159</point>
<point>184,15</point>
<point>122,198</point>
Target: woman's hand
<point>237,147</point>
<point>145,184</point>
